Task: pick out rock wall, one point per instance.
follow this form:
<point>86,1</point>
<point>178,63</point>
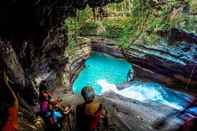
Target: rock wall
<point>33,40</point>
<point>176,35</point>
<point>107,46</point>
<point>77,57</point>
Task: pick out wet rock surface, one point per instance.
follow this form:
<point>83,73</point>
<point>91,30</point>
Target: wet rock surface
<point>77,57</point>
<point>137,116</point>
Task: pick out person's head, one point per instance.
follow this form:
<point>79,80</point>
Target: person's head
<point>43,86</point>
<point>50,107</point>
<point>57,107</point>
<point>88,93</point>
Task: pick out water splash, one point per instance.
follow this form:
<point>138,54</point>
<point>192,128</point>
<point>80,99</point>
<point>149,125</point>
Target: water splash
<point>146,92</point>
<point>106,86</point>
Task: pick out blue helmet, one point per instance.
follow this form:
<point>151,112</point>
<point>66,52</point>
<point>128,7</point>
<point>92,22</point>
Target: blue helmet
<point>88,93</point>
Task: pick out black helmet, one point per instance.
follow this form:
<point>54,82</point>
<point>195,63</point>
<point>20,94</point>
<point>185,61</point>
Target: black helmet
<point>43,86</point>
<point>88,93</point>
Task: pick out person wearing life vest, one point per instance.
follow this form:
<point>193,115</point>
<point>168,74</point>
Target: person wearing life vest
<point>88,113</point>
<point>8,106</point>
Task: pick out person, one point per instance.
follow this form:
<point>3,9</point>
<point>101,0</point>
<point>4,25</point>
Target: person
<point>68,117</point>
<point>55,116</point>
<point>89,113</point>
<point>9,106</point>
<point>44,99</point>
<point>130,75</point>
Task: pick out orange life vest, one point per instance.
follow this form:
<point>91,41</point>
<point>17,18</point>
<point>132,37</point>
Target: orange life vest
<point>89,115</point>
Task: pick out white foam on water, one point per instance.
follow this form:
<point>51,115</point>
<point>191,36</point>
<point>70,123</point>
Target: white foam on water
<point>106,86</point>
<point>173,105</point>
<point>139,91</point>
<point>132,94</point>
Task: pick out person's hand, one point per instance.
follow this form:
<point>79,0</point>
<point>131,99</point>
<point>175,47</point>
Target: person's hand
<point>102,116</point>
<point>59,99</point>
<point>67,109</point>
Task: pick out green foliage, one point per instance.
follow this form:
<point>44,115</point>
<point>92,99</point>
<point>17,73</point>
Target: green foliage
<point>72,26</point>
<point>116,28</point>
<point>142,21</point>
<point>112,31</point>
<point>84,15</point>
<point>188,23</point>
<point>124,38</point>
<point>193,5</point>
<point>149,16</point>
<point>88,28</point>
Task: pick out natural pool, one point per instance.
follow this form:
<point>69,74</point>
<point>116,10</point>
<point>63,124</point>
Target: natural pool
<point>104,72</point>
<point>101,68</point>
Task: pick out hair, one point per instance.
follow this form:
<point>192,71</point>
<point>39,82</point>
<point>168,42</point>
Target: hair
<point>43,86</point>
<point>88,93</point>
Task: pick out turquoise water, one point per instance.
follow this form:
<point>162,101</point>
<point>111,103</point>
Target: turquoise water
<point>104,72</point>
<point>101,68</point>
